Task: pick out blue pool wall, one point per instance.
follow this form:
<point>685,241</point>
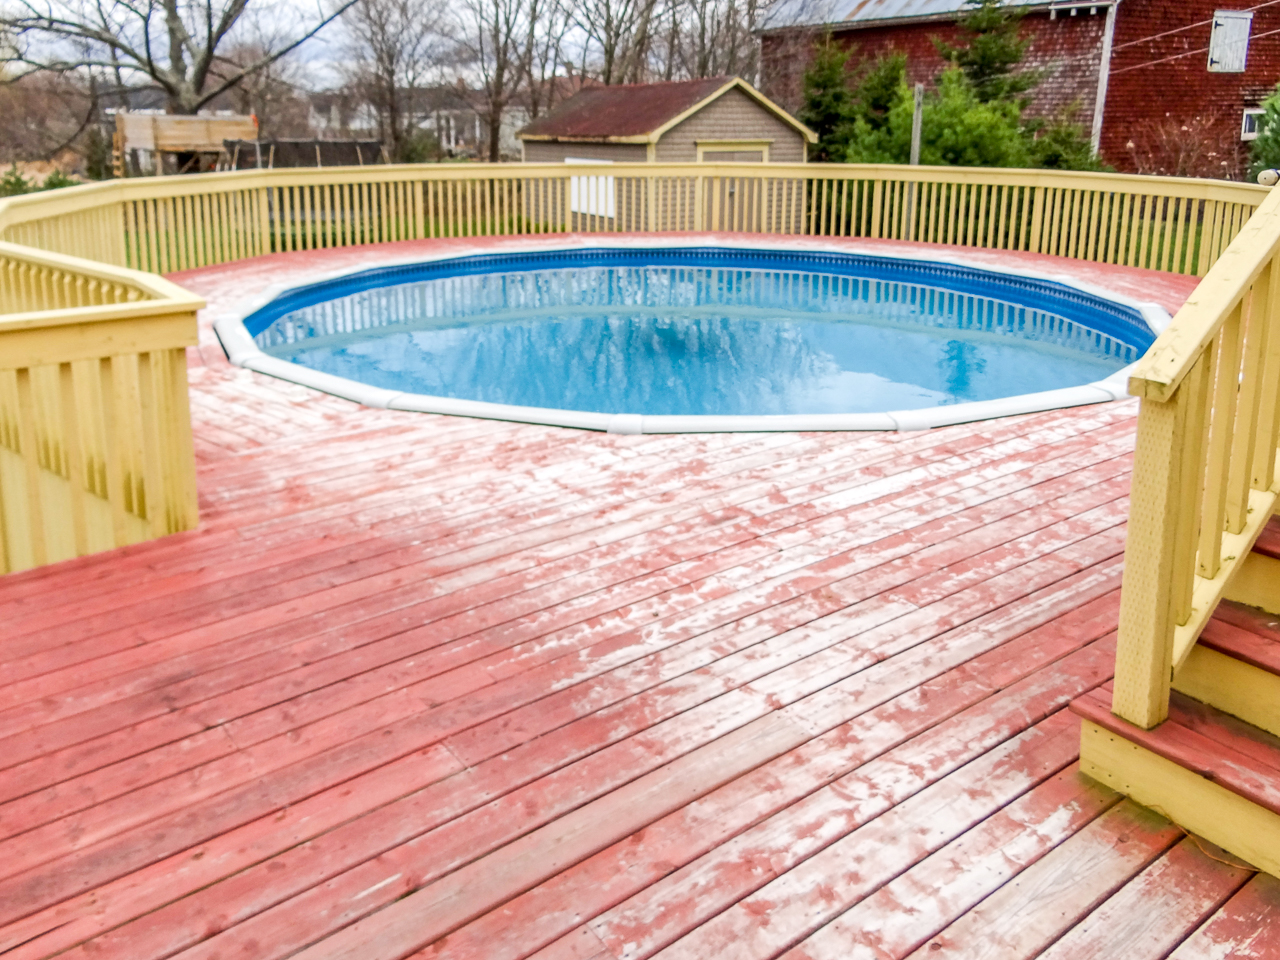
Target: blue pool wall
<point>1117,320</point>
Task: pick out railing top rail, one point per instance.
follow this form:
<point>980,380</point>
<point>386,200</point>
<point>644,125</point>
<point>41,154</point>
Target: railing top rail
<point>153,286</point>
<point>158,294</point>
<point>1163,367</point>
<point>73,199</point>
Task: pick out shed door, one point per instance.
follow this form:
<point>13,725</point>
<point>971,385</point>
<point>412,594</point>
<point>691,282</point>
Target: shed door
<point>733,156</point>
<point>595,196</point>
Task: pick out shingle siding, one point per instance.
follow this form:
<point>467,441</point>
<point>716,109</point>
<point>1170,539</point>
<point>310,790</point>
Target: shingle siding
<point>1183,88</point>
<point>1142,96</point>
<point>1066,49</point>
<point>733,116</point>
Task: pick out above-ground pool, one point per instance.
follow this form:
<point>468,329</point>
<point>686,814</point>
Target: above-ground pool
<point>654,339</point>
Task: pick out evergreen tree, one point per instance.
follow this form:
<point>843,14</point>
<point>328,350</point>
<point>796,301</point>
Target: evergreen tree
<point>992,51</point>
<point>1063,145</point>
<point>877,91</point>
<point>959,129</point>
<point>1264,152</point>
<point>827,106</point>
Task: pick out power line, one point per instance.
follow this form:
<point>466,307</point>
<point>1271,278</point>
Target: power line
<point>1190,26</point>
<point>1188,53</point>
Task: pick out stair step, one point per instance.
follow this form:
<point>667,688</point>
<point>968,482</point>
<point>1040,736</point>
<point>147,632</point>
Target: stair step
<point>1257,581</point>
<point>1236,665</point>
<point>1209,772</point>
<point>1245,633</point>
<point>1268,543</point>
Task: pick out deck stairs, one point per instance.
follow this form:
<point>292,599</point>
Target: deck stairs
<point>1213,766</point>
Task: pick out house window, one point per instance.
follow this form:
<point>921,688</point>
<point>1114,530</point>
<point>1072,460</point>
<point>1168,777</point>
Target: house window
<point>593,195</point>
<point>1229,42</point>
<point>1251,124</point>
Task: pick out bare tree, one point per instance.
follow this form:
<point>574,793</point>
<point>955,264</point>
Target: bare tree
<point>492,34</point>
<point>167,44</point>
<point>398,50</point>
<point>716,38</point>
<point>619,35</point>
<point>42,115</point>
<point>546,26</point>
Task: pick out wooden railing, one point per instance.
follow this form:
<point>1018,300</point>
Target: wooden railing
<point>95,445</point>
<point>95,433</point>
<point>1204,481</point>
<point>177,223</point>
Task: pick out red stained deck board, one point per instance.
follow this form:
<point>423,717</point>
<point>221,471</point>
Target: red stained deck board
<point>551,675</point>
<point>97,725</point>
<point>1244,928</point>
<point>718,863</point>
<point>111,854</point>
<point>1268,543</point>
<point>1148,917</point>
<point>1246,634</point>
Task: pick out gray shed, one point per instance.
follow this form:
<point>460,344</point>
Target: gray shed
<point>714,120</point>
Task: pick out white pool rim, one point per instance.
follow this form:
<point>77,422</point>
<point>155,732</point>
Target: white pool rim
<point>242,351</point>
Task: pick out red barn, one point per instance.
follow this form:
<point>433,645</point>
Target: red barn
<point>1163,86</point>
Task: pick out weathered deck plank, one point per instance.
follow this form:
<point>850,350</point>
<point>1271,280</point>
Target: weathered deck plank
<point>441,687</point>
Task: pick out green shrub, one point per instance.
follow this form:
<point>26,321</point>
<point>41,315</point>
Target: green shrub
<point>57,180</point>
<point>959,129</point>
<point>13,183</point>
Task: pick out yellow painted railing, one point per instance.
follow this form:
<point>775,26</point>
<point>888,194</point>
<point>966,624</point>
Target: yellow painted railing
<point>1204,481</point>
<point>95,445</point>
<point>177,223</point>
<point>95,433</point>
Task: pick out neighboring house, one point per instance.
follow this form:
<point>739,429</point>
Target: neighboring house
<point>445,111</point>
<point>721,119</point>
<point>1121,67</point>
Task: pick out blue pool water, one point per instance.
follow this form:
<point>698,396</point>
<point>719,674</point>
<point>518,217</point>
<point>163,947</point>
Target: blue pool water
<point>702,331</point>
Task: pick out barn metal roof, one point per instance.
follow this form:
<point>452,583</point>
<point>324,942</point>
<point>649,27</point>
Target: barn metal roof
<point>794,13</point>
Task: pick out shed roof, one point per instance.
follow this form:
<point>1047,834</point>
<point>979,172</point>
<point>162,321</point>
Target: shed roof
<point>641,112</point>
<point>795,13</point>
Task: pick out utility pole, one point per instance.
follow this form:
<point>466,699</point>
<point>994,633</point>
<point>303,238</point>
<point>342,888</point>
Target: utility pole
<point>917,129</point>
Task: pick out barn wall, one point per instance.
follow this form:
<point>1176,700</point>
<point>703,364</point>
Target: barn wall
<point>1169,117</point>
<point>1068,49</point>
<point>1150,105</point>
<point>734,116</point>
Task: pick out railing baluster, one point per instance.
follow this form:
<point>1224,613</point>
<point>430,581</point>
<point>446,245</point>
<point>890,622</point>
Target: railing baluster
<point>1225,393</point>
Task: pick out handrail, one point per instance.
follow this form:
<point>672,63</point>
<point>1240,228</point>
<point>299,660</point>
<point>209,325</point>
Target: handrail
<point>1204,481</point>
<point>95,435</point>
<point>92,376</point>
<point>174,223</point>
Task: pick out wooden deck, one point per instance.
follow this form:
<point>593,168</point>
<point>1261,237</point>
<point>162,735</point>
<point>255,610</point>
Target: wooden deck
<point>434,687</point>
